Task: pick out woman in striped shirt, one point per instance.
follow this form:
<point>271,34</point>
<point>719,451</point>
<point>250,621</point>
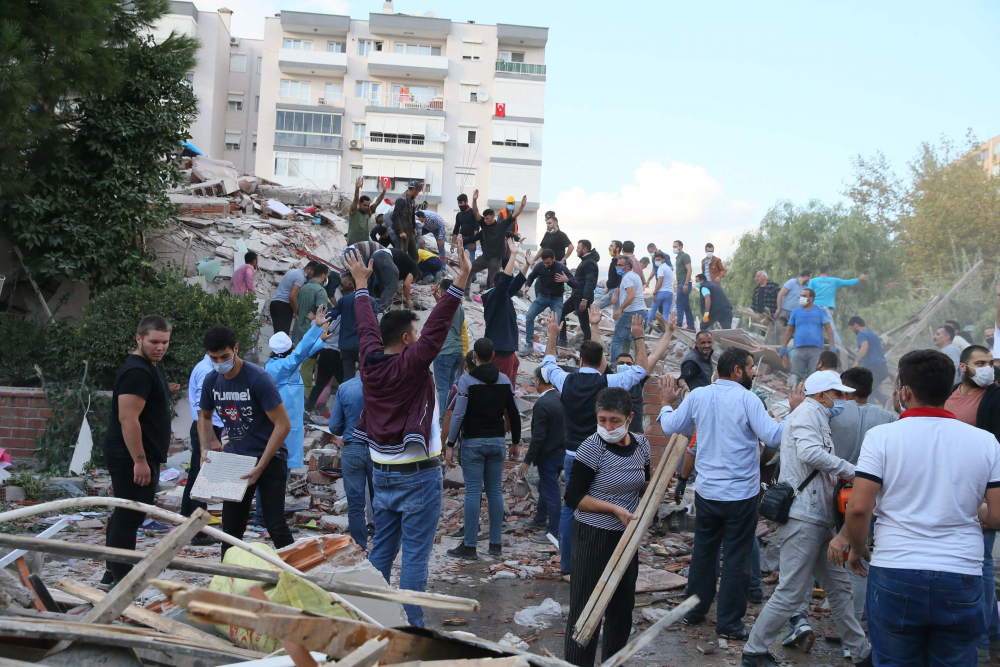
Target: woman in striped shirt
<point>609,473</point>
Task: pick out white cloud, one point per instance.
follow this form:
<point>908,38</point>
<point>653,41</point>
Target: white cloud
<point>679,201</point>
<point>248,15</point>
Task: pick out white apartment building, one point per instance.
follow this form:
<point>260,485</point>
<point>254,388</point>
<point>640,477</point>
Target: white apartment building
<point>226,81</point>
<point>456,106</point>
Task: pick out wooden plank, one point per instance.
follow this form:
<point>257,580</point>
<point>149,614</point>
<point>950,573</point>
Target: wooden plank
<point>929,312</point>
<point>325,580</point>
<point>365,655</point>
<point>629,531</point>
<point>628,546</point>
<point>144,616</point>
<point>155,562</point>
<point>115,636</point>
<point>638,643</point>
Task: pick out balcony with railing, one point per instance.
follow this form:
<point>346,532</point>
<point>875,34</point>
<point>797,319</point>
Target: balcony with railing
<point>519,68</point>
<point>315,98</point>
<point>385,64</point>
<point>414,143</point>
<point>296,61</point>
<point>390,101</point>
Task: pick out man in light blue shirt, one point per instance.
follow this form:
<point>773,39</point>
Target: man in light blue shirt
<point>825,287</point>
<point>195,383</point>
<point>788,295</point>
<point>730,420</point>
<point>355,459</point>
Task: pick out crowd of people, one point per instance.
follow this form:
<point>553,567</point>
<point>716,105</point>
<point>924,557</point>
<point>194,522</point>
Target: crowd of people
<point>407,400</point>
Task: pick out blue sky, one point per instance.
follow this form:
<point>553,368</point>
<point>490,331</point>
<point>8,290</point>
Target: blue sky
<point>728,107</point>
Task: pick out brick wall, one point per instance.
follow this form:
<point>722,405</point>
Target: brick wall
<point>23,415</point>
<point>651,407</point>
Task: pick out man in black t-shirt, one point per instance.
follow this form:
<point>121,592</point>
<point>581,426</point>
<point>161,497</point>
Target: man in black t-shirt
<point>467,224</point>
<point>246,398</point>
<point>138,435</point>
<point>556,240</point>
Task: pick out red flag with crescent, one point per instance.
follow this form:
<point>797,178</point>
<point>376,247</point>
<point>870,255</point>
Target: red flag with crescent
<point>501,110</point>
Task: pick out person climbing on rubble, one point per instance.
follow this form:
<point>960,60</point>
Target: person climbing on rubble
<point>359,214</point>
<point>245,396</point>
<point>715,306</point>
<point>283,366</point>
<point>824,287</point>
<point>806,327</point>
<point>448,362</point>
<point>138,435</point>
<point>467,224</point>
<point>404,219</point>
<point>492,236</point>
<point>552,279</point>
<point>355,459</point>
<point>578,394</point>
<point>311,297</point>
<point>582,296</point>
<point>284,301</point>
<point>499,313</point>
<point>242,280</point>
<point>610,472</point>
<point>731,423</point>
<point>383,281</point>
<point>400,426</point>
<point>485,396</point>
<point>696,366</point>
<point>663,288</point>
<point>432,222</point>
<point>809,464</point>
<point>344,311</point>
<point>630,302</point>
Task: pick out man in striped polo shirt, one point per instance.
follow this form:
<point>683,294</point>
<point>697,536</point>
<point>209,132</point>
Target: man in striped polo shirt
<point>401,427</point>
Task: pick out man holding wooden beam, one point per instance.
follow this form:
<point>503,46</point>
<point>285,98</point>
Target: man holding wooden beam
<point>730,420</point>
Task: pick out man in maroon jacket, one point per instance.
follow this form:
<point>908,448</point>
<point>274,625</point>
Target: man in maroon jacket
<point>401,426</point>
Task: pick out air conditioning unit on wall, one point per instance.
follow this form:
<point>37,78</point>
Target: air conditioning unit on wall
<point>234,41</point>
<point>357,144</point>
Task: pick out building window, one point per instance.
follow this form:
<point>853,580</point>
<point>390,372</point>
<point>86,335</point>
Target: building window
<point>317,168</point>
<point>238,62</point>
<point>418,49</point>
<point>256,103</point>
<point>406,95</point>
<point>366,46</point>
<point>471,137</point>
<point>359,131</point>
<point>260,65</point>
<point>336,47</point>
<point>368,90</point>
<point>512,56</point>
<point>295,90</point>
<point>399,139</point>
<point>507,134</point>
<point>232,140</point>
<point>465,177</point>
<point>468,92</point>
<point>236,105</point>
<point>310,130</point>
<point>332,93</point>
<point>472,50</point>
<point>254,142</point>
<point>356,172</point>
<point>298,44</point>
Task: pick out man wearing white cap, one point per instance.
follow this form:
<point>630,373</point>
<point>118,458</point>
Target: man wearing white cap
<point>809,465</point>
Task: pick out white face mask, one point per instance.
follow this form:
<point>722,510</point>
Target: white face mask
<point>803,300</point>
<point>677,251</point>
<point>984,376</point>
<point>709,254</point>
<point>612,436</point>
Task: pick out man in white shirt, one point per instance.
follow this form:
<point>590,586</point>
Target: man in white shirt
<point>631,301</point>
<point>809,464</point>
<point>929,473</point>
<point>188,504</point>
<point>730,420</point>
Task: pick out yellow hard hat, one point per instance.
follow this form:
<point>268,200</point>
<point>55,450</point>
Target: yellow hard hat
<point>510,200</point>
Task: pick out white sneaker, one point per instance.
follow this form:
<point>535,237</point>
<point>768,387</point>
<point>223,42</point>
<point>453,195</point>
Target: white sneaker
<point>802,637</point>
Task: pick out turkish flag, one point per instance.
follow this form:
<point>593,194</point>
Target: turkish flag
<point>501,110</point>
<point>385,182</point>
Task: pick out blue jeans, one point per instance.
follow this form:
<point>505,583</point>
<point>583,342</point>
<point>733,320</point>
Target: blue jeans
<point>541,302</point>
<point>566,521</point>
<point>549,502</point>
<point>990,612</point>
<point>623,332</point>
<point>356,465</point>
<point>447,368</point>
<point>471,247</point>
<point>918,615</point>
<point>661,302</point>
<point>684,314</point>
<point>430,266</point>
<point>482,465</point>
<point>407,508</point>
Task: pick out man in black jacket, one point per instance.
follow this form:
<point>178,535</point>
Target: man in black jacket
<point>976,401</point>
<point>404,221</point>
<point>546,451</point>
<point>484,396</point>
<point>552,277</point>
<point>613,280</point>
<point>583,294</point>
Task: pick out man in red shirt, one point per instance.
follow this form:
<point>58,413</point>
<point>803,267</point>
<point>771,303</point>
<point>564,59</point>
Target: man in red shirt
<point>976,401</point>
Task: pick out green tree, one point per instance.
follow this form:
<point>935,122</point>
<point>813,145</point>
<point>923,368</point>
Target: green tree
<point>101,110</point>
<point>791,239</point>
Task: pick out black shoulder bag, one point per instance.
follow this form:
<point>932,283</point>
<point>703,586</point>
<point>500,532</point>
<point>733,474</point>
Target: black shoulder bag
<point>778,497</point>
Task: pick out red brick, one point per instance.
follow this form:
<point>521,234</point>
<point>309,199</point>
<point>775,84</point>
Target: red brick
<point>25,412</point>
<point>13,443</point>
<point>318,478</point>
<point>37,423</point>
<point>4,432</point>
<point>650,410</point>
<point>654,429</point>
<point>658,440</point>
<point>22,432</point>
<point>21,453</point>
<point>45,413</point>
